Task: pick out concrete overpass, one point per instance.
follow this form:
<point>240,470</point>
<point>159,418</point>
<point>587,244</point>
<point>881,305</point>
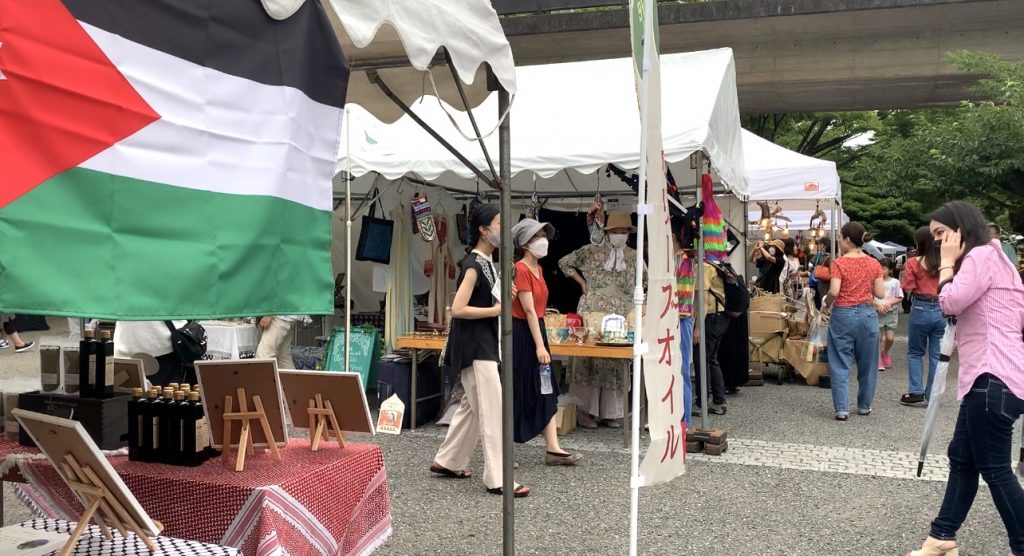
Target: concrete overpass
<point>793,55</point>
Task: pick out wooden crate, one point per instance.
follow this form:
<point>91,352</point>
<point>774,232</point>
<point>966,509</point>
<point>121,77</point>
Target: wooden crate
<point>105,420</point>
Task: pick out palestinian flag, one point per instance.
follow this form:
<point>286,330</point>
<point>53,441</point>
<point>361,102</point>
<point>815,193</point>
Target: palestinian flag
<point>166,158</point>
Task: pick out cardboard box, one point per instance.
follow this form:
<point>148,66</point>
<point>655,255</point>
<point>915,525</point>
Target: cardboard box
<point>796,352</point>
<point>764,324</point>
<point>565,417</point>
<point>770,303</point>
<point>767,349</point>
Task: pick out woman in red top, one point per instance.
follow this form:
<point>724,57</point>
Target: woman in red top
<point>535,391</point>
<point>853,327</point>
<point>927,323</point>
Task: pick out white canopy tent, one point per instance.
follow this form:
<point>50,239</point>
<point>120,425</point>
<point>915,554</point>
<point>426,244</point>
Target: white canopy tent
<point>401,40</point>
<point>571,120</point>
<point>776,173</point>
<point>562,139</point>
<point>800,184</point>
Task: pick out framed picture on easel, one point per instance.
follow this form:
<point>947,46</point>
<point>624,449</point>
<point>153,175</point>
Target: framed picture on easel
<point>343,391</point>
<point>88,473</point>
<point>258,379</point>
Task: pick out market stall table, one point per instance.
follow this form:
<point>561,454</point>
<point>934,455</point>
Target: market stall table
<point>436,343</point>
<point>92,542</point>
<point>229,340</point>
<point>331,501</point>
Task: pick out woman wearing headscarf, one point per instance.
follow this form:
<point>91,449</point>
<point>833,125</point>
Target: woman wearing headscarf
<point>535,396</point>
<point>982,289</point>
<point>606,274</point>
<point>473,348</point>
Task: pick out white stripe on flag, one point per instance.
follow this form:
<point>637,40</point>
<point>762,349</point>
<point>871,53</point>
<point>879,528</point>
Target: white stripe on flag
<point>221,133</point>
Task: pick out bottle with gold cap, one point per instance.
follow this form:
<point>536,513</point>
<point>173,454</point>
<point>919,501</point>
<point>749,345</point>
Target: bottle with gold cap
<point>151,427</point>
<point>176,429</point>
<point>197,438</point>
<point>165,412</point>
<point>86,363</point>
<point>186,388</point>
<point>103,383</point>
<point>135,410</point>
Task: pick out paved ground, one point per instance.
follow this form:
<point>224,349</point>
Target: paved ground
<point>794,482</point>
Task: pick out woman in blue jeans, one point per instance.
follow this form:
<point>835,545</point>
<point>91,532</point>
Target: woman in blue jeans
<point>980,286</point>
<point>921,278</point>
<point>853,327</point>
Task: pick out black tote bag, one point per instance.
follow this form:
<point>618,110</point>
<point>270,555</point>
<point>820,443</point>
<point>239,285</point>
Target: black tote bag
<point>375,237</point>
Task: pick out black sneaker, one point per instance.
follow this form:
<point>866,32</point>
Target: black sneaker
<point>25,347</point>
<point>912,399</point>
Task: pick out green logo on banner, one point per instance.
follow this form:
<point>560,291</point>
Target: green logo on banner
<point>638,15</point>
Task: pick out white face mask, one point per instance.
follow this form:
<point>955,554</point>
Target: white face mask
<point>618,241</point>
<point>494,237</point>
<point>539,248</point>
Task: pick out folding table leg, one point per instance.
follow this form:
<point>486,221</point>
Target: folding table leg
<point>413,384</point>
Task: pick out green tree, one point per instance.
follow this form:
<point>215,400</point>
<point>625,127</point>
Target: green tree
<point>919,159</point>
<point>974,152</point>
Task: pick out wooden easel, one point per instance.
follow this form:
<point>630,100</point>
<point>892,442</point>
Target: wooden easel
<point>100,505</point>
<point>245,438</point>
<point>321,421</point>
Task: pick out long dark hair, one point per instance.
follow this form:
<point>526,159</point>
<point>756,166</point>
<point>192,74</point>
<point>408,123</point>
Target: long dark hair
<point>789,246</point>
<point>925,246</point>
<point>481,217</point>
<point>855,232</point>
<point>967,219</point>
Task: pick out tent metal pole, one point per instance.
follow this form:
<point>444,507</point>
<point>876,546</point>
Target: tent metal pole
<point>469,111</point>
<point>348,240</point>
<point>700,306</point>
<point>507,430</point>
<point>376,80</point>
<point>632,414</point>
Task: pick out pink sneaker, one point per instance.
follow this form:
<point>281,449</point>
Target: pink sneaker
<point>887,360</point>
<point>881,363</point>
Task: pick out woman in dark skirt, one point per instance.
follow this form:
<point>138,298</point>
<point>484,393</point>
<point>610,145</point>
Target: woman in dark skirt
<point>535,394</point>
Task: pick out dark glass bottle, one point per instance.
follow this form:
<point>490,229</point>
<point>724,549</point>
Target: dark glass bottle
<point>86,363</point>
<point>136,409</point>
<point>165,412</point>
<point>151,427</point>
<point>196,439</point>
<point>103,383</point>
<point>180,411</point>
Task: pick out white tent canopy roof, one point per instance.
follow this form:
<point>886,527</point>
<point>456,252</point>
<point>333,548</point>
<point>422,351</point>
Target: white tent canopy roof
<point>568,121</point>
<point>777,173</point>
<point>403,38</point>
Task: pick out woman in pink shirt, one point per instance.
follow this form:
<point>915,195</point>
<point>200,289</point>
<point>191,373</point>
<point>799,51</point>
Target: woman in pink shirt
<point>979,286</point>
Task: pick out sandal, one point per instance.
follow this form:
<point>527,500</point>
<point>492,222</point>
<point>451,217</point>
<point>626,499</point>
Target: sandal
<point>435,468</point>
<point>521,491</point>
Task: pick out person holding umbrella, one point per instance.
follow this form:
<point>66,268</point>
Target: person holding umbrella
<point>979,286</point>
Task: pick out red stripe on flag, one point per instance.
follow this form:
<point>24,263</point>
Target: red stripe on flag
<point>62,101</point>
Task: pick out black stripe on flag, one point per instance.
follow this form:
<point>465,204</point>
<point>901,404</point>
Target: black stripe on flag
<point>236,37</point>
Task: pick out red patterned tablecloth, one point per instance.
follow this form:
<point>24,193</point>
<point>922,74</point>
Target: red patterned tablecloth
<point>8,450</point>
<point>327,502</point>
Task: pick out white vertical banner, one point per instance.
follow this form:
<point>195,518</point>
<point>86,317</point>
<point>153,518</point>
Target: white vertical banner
<point>662,361</point>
